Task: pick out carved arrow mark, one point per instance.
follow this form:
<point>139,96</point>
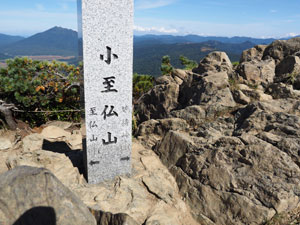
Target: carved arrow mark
<point>125,158</point>
<point>94,162</point>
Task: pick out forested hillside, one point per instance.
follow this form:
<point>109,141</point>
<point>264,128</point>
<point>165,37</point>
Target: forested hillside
<point>148,55</point>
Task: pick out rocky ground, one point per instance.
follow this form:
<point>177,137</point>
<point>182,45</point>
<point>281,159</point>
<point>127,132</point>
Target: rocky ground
<point>230,135</point>
<point>216,145</point>
<point>149,195</point>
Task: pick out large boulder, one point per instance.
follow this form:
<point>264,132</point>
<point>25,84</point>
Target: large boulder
<point>288,71</point>
<point>214,62</point>
<point>32,195</point>
<point>193,114</point>
<point>253,54</point>
<point>210,90</point>
<point>59,164</point>
<point>280,49</point>
<point>290,64</point>
<point>179,75</point>
<point>281,90</point>
<point>258,72</point>
<point>159,101</point>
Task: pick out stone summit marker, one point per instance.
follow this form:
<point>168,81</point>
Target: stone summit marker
<point>107,34</point>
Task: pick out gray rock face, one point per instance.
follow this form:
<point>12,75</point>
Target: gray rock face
<point>192,114</point>
<point>32,195</point>
<point>280,49</point>
<point>238,171</point>
<point>183,88</point>
<point>214,62</point>
<point>159,101</point>
<point>149,196</point>
<point>281,90</point>
<point>106,218</point>
<point>255,53</point>
<point>235,163</point>
<point>288,71</point>
<point>240,97</point>
<point>290,64</point>
<point>210,91</point>
<point>258,71</point>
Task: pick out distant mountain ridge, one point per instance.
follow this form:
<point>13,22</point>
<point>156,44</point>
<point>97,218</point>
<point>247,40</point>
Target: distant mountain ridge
<point>55,41</point>
<point>9,39</point>
<point>148,49</point>
<point>170,39</point>
<point>62,41</point>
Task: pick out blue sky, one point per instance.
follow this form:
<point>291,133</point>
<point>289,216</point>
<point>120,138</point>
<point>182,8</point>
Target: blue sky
<point>254,18</point>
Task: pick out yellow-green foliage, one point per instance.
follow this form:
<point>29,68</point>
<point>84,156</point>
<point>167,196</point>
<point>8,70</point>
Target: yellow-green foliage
<point>292,77</point>
<point>141,84</point>
<point>189,64</point>
<point>235,63</point>
<point>166,67</point>
<point>41,86</point>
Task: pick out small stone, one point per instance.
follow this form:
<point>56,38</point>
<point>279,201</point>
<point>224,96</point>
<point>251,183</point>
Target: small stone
<point>53,132</point>
<point>5,143</point>
<point>33,142</point>
<point>241,98</point>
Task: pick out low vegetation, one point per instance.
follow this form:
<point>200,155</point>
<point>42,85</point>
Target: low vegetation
<point>43,91</point>
<point>38,87</point>
<point>166,68</point>
<point>187,63</point>
<point>141,84</point>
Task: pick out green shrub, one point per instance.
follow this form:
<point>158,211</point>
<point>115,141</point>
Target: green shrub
<point>166,67</point>
<point>189,64</point>
<point>292,77</point>
<point>141,84</point>
<point>41,86</point>
<point>235,64</point>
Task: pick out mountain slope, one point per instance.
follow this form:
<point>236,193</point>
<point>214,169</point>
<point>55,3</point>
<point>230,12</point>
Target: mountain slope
<point>8,39</point>
<point>147,57</point>
<point>55,41</point>
<point>169,39</point>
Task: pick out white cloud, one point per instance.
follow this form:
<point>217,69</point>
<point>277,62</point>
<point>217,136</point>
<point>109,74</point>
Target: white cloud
<point>292,34</point>
<point>155,30</point>
<point>273,11</point>
<point>150,4</point>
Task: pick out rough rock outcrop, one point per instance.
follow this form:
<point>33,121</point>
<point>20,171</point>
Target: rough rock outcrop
<point>35,196</point>
<point>258,71</point>
<point>253,54</point>
<point>238,163</point>
<point>149,196</point>
<point>289,65</point>
<point>214,62</point>
<point>59,164</point>
<point>238,171</point>
<point>159,101</point>
<point>280,49</point>
<point>210,90</point>
<point>107,218</point>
